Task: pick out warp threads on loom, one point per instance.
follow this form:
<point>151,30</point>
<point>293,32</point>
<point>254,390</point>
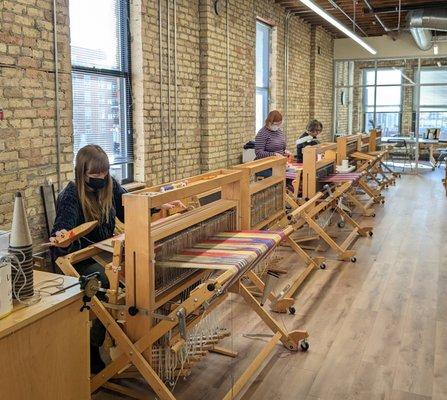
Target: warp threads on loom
<point>21,247</point>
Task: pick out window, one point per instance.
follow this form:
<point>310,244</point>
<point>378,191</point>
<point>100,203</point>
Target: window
<point>433,100</point>
<point>382,100</point>
<point>101,81</point>
<point>263,39</point>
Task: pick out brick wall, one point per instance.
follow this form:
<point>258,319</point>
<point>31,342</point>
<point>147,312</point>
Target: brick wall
<point>27,96</point>
<point>200,129</point>
<point>321,79</point>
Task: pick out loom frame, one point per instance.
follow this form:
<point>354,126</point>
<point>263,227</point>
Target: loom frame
<point>140,329</point>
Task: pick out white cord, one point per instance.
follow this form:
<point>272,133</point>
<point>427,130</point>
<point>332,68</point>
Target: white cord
<point>7,259</point>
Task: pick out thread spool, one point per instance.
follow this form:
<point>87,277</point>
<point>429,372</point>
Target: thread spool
<point>21,246</point>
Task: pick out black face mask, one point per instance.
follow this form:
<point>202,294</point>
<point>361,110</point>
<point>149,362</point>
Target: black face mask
<point>97,183</point>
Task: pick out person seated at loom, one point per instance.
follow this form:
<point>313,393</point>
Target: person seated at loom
<point>308,138</point>
<point>270,141</point>
<point>94,195</point>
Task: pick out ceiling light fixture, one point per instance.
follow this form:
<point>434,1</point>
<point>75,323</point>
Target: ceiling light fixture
<point>338,25</point>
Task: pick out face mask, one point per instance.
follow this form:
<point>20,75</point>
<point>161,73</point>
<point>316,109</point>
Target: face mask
<point>275,127</point>
<point>97,183</point>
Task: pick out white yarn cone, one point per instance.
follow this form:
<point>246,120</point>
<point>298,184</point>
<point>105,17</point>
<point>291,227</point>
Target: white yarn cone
<point>20,234</point>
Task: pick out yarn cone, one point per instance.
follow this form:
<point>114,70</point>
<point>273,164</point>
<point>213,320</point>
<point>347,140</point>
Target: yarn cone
<point>21,246</point>
<point>20,234</point>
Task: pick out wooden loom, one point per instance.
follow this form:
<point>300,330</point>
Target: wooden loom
<point>356,147</point>
<point>263,207</point>
<point>319,165</point>
<point>169,290</point>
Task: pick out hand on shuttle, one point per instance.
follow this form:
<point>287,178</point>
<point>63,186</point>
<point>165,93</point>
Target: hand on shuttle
<point>54,241</point>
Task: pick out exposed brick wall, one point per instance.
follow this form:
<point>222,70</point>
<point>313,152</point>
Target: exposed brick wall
<point>27,96</point>
<point>321,78</point>
<point>27,90</point>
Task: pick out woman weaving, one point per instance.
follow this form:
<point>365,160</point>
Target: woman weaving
<point>270,140</point>
<point>94,195</point>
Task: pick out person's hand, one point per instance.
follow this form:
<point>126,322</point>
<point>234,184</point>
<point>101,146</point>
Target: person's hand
<point>59,236</point>
<point>287,153</point>
<point>172,204</point>
<point>278,155</point>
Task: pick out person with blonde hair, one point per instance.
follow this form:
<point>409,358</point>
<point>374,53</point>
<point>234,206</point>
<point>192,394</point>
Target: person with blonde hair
<point>94,195</point>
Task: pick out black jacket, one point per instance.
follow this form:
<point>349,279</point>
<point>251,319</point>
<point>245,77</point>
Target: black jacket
<point>304,140</point>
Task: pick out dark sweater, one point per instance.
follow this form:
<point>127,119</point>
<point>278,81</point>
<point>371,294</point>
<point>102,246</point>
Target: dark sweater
<point>304,140</point>
<point>69,214</point>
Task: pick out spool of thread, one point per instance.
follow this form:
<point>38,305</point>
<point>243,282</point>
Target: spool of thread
<point>345,164</point>
<point>5,289</point>
<point>21,246</point>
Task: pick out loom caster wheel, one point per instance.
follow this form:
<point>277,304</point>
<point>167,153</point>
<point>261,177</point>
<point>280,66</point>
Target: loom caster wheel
<point>373,215</point>
<point>353,259</point>
<point>304,345</point>
<point>341,224</point>
<point>382,201</point>
<point>370,233</point>
<point>292,310</point>
<point>323,266</point>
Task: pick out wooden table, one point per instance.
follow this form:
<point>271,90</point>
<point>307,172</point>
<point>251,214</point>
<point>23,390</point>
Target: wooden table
<point>44,348</point>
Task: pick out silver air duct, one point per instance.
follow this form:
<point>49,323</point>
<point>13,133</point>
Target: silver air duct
<point>422,22</point>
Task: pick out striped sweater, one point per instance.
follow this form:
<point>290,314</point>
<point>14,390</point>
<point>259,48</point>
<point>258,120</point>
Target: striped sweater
<point>268,142</point>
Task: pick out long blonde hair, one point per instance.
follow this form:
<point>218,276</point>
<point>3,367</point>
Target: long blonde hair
<point>92,159</point>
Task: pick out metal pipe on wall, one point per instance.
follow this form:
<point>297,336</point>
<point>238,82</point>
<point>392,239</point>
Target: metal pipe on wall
<point>227,32</point>
<point>57,98</point>
<point>175,90</point>
<point>169,84</point>
<point>286,71</point>
<point>160,60</point>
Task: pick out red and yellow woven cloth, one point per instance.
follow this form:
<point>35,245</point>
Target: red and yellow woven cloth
<point>227,249</point>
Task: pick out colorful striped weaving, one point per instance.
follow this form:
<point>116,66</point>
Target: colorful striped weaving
<point>240,249</point>
<point>339,178</point>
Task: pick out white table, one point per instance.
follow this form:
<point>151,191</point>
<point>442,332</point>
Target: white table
<point>412,140</point>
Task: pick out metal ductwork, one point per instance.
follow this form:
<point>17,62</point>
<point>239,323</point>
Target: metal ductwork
<point>422,22</point>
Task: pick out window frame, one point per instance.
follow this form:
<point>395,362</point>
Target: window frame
<point>123,73</point>
<point>365,87</point>
<point>264,90</point>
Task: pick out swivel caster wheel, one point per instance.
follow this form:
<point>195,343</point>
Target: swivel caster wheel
<point>353,259</point>
<point>341,224</point>
<point>373,215</point>
<point>292,310</point>
<point>322,266</point>
<point>370,233</point>
<point>304,345</point>
<point>382,201</point>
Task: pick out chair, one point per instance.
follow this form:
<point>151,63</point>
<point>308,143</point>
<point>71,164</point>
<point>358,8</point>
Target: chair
<point>404,149</point>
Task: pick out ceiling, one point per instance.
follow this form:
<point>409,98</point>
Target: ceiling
<point>368,24</point>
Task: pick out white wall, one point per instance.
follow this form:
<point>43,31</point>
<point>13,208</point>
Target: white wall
<point>404,46</point>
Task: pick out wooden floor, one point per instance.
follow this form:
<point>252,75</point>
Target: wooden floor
<point>378,328</point>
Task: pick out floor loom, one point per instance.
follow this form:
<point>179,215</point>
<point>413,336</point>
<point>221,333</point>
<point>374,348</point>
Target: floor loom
<point>356,148</point>
<point>174,273</point>
<point>323,190</point>
<point>262,206</point>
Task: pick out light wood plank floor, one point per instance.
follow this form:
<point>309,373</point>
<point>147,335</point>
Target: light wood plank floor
<point>378,328</point>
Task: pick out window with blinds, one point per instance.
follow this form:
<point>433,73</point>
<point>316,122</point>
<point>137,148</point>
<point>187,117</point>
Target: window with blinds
<point>101,81</point>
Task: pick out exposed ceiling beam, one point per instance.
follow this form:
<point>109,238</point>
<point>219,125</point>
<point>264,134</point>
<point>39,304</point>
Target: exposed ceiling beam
<point>407,7</point>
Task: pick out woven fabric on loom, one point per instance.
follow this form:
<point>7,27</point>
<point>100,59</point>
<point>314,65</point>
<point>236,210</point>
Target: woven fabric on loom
<point>291,170</point>
<point>339,178</point>
<point>226,249</point>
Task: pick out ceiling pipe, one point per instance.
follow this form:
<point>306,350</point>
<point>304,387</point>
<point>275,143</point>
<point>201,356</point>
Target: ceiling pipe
<point>422,22</point>
<point>368,5</point>
<point>404,8</point>
<point>336,6</point>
